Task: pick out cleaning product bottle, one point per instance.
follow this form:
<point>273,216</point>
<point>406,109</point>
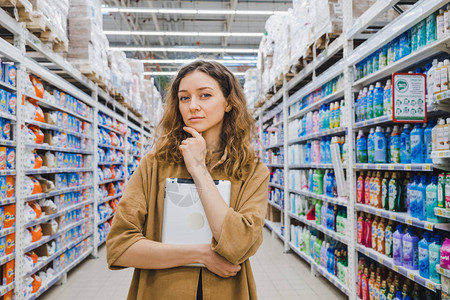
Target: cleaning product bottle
<point>430,77</point>
<point>431,28</point>
<point>365,285</point>
<point>394,193</point>
<point>385,191</point>
<point>337,115</point>
<point>377,288</point>
<point>441,191</point>
<point>398,296</point>
<point>380,146</point>
<point>367,188</point>
<point>371,146</point>
<point>413,193</point>
<point>432,200</point>
<point>424,256</point>
<point>434,135</point>
<point>405,196</point>
<point>410,243</point>
<point>377,191</point>
<point>447,21</point>
<point>372,285</point>
<point>417,145</point>
<point>360,229</point>
<point>440,27</point>
<point>428,141</point>
<point>378,100</point>
<point>370,103</point>
<point>435,253</point>
<point>389,239</point>
<point>318,212</point>
<point>368,231</point>
<point>387,99</point>
<point>421,201</point>
<point>405,138</point>
<point>395,145</point>
<point>444,76</point>
<point>398,246</point>
<point>361,147</point>
<point>447,191</point>
<point>374,230</point>
<point>437,78</point>
<point>330,125</point>
<point>387,135</point>
<point>381,238</point>
<point>360,188</point>
<point>441,135</point>
<point>445,255</point>
<point>383,290</point>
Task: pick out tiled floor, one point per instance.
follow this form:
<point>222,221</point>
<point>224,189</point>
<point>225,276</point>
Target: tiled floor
<point>278,276</point>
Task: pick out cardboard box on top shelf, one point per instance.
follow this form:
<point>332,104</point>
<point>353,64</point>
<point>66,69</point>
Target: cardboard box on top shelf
<point>48,119</point>
<point>47,228</point>
<point>273,214</point>
<point>48,210</point>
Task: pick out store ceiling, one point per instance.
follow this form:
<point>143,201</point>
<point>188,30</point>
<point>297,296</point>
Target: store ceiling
<point>175,24</point>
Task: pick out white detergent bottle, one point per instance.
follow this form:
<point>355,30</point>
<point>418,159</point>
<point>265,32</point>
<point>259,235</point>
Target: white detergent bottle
<point>430,77</point>
<point>437,78</point>
<point>444,76</point>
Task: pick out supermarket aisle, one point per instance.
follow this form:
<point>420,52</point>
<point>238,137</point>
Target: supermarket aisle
<point>277,276</point>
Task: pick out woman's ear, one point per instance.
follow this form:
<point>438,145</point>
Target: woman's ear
<point>228,108</point>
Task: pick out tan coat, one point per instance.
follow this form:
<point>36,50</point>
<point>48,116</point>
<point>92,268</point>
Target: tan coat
<point>139,216</point>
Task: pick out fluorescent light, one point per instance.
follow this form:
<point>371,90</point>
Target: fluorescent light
<point>187,61</point>
<point>168,73</point>
<point>145,10</point>
<point>192,50</point>
<point>182,33</point>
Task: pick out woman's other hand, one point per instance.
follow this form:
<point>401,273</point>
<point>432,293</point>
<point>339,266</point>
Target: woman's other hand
<point>217,264</point>
<point>193,150</point>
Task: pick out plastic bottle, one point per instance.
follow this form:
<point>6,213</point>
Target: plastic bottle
<point>434,251</point>
<point>367,188</point>
<point>374,231</point>
<point>431,76</point>
<point>395,145</point>
<point>380,146</point>
<point>371,146</point>
<point>444,76</point>
<point>365,285</point>
<point>377,192</point>
<point>323,255</point>
<point>445,254</point>
<point>372,286</point>
<point>432,200</point>
<point>410,244</point>
<point>447,21</point>
<point>437,78</point>
<point>424,255</point>
<point>389,239</point>
<point>387,99</point>
<point>431,28</point>
<point>421,204</point>
<point>332,117</point>
<point>417,145</point>
<point>383,290</point>
<point>440,135</point>
<point>441,191</point>
<point>398,296</point>
<point>440,27</point>
<point>394,194</point>
<point>362,147</point>
<point>370,103</point>
<point>398,245</point>
<point>413,194</point>
<point>378,100</point>
<point>360,229</point>
<point>360,188</point>
<point>381,238</point>
<point>368,231</point>
<point>447,191</point>
<point>318,212</point>
<point>337,115</point>
<point>405,196</point>
<point>385,191</point>
<point>405,138</point>
<point>364,104</point>
<point>377,288</point>
<point>428,141</point>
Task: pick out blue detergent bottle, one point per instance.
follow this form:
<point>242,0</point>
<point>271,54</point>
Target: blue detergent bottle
<point>395,145</point>
<point>364,104</point>
<point>380,146</point>
<point>323,150</point>
<point>371,146</point>
<point>328,150</point>
<point>387,134</point>
<point>361,147</point>
<point>413,191</point>
<point>428,141</point>
<point>405,145</point>
<point>424,255</point>
<point>378,99</point>
<point>432,200</point>
<point>417,145</point>
<point>421,200</point>
<point>370,103</point>
<point>435,255</point>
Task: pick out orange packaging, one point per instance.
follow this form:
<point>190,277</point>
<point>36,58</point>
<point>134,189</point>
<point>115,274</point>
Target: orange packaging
<point>39,114</point>
<point>38,133</point>
<point>8,272</point>
<point>38,87</point>
<point>2,158</point>
<point>36,233</point>
<point>113,172</point>
<point>9,216</point>
<point>38,161</point>
<point>37,188</point>
<point>8,295</point>
<point>9,186</point>
<point>111,189</point>
<point>37,282</point>
<point>37,209</point>
<point>10,243</point>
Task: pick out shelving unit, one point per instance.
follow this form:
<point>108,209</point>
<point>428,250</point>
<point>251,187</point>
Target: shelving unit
<point>305,82</point>
<point>31,57</point>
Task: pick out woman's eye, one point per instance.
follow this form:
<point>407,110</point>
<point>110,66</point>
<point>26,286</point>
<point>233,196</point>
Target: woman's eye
<point>184,98</point>
<point>206,95</point>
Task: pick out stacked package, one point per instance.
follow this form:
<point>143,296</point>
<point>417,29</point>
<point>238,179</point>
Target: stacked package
<point>137,83</point>
<point>120,73</point>
<point>88,48</point>
<point>53,15</point>
<point>152,105</point>
<point>251,86</point>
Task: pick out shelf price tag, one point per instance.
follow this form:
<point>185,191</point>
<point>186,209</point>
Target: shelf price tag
<point>429,226</point>
<point>408,167</point>
<point>380,260</point>
<point>409,98</point>
<point>439,213</point>
<point>411,276</point>
<point>441,154</point>
<point>391,167</point>
<point>409,221</point>
<point>378,167</point>
<point>395,268</point>
<point>427,168</point>
<point>430,286</point>
<point>393,217</point>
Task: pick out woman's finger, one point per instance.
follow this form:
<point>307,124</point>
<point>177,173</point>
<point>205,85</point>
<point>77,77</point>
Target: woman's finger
<point>192,131</point>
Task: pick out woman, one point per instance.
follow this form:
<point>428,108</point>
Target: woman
<point>205,134</point>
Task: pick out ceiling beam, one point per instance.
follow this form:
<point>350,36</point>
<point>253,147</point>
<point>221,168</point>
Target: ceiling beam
<point>189,11</point>
<point>229,20</point>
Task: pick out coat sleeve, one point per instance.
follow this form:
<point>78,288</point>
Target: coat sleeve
<point>241,232</point>
<point>131,215</point>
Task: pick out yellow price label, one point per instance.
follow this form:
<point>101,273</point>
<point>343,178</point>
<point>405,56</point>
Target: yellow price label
<point>377,120</point>
<point>380,260</point>
<point>439,97</point>
<point>378,167</point>
<point>430,286</point>
<point>408,167</point>
<point>365,123</point>
<point>441,154</point>
<point>439,213</point>
<point>365,166</point>
<point>367,253</point>
<point>378,213</point>
<point>429,226</point>
<point>411,276</point>
<point>409,221</point>
<point>395,268</point>
<point>393,217</point>
<point>391,167</point>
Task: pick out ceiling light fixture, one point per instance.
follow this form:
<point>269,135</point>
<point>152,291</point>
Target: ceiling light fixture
<point>191,50</point>
<point>187,61</point>
<point>168,73</point>
<point>182,33</point>
<point>146,10</point>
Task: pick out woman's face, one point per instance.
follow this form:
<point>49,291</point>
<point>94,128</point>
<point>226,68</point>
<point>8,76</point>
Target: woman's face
<point>202,103</point>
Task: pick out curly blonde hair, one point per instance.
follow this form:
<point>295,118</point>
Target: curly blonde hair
<point>238,127</point>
